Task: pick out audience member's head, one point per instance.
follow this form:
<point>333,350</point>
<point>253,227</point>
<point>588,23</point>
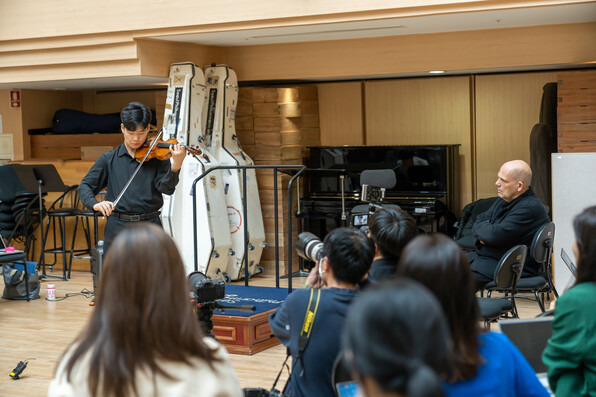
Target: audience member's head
<point>135,115</point>
<point>348,253</point>
<point>514,179</point>
<point>584,247</point>
<point>396,340</point>
<point>391,229</point>
<point>142,315</point>
<point>439,264</point>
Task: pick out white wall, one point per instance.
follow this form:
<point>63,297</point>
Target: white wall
<point>574,189</point>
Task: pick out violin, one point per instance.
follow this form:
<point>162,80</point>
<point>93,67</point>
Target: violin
<point>161,150</point>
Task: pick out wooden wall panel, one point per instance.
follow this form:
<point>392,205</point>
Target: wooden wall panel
<point>576,111</point>
<point>507,107</point>
<point>341,114</point>
<point>424,111</point>
<point>114,101</point>
<point>39,107</point>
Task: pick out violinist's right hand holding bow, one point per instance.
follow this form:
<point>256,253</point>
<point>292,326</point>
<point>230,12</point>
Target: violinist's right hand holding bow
<point>105,207</point>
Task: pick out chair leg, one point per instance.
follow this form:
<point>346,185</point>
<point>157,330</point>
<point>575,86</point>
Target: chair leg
<point>515,314</point>
<point>87,230</point>
<point>63,238</point>
<point>42,256</point>
<point>55,248</point>
<point>539,300</point>
<point>74,238</point>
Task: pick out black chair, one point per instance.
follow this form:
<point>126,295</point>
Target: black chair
<point>507,275</point>
<point>26,222</point>
<point>83,214</point>
<point>24,218</point>
<point>463,236</point>
<point>541,251</point>
<point>59,211</point>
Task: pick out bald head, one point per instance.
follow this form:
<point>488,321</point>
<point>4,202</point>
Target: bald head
<point>520,171</point>
<point>514,179</point>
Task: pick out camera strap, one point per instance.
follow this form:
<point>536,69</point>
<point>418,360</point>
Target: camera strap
<point>309,319</point>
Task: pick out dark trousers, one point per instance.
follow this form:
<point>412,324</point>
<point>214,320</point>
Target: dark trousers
<point>480,279</point>
<point>114,225</point>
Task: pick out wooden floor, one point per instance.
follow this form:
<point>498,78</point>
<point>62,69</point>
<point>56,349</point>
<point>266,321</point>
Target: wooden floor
<point>40,330</point>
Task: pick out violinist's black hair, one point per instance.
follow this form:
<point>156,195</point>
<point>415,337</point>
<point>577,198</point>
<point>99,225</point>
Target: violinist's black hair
<point>135,115</point>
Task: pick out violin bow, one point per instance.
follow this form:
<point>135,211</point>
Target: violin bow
<point>138,167</point>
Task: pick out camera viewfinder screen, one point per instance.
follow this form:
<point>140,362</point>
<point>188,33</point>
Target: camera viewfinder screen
<point>360,220</point>
<point>348,389</point>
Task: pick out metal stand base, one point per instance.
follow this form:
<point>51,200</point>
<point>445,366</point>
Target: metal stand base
<point>299,273</point>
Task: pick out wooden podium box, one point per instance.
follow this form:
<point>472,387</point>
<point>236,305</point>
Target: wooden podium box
<point>244,335</point>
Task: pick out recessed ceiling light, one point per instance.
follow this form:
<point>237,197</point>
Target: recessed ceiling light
<point>436,71</point>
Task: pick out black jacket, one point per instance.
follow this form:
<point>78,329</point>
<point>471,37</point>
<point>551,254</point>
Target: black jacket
<point>505,225</point>
<point>382,269</point>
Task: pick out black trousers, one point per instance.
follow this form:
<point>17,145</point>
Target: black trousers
<point>114,225</point>
<point>480,279</point>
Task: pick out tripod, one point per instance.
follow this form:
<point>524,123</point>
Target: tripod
<point>205,310</point>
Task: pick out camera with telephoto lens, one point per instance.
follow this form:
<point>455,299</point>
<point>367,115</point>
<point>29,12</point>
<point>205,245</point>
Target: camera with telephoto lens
<point>309,246</point>
<point>260,392</point>
<point>205,289</point>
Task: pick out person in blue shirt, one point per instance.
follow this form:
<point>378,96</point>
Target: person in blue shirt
<point>481,363</point>
<point>347,255</point>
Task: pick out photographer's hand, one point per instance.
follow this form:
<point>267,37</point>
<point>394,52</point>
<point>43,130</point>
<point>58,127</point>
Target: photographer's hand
<point>314,279</point>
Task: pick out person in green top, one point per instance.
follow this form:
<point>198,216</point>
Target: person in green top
<point>571,352</point>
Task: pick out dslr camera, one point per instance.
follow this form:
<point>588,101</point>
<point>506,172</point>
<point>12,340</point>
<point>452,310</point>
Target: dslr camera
<point>372,194</point>
<point>374,183</point>
<point>206,290</point>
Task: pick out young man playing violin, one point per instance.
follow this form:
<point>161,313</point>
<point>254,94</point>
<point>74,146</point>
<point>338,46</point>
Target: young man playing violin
<point>142,200</point>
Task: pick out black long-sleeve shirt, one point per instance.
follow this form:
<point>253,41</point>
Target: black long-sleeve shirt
<point>113,169</point>
<point>505,225</point>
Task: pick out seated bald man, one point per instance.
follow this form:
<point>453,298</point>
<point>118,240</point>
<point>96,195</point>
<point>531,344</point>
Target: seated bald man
<point>513,219</point>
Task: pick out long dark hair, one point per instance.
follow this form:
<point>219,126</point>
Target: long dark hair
<point>584,226</point>
<point>142,314</point>
<point>395,333</point>
<point>438,263</point>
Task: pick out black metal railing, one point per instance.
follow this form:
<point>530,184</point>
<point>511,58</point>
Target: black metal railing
<point>300,169</point>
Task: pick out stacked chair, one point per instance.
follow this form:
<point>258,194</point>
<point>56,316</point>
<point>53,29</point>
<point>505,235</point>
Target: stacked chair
<point>19,219</point>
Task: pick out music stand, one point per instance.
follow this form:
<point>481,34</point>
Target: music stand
<point>41,178</point>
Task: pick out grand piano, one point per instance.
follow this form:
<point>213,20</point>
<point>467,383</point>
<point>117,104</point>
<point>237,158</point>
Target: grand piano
<point>427,183</point>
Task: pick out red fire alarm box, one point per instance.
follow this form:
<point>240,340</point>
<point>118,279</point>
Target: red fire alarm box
<point>15,99</point>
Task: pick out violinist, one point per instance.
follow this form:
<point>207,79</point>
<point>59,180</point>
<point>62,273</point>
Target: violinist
<point>142,199</point>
